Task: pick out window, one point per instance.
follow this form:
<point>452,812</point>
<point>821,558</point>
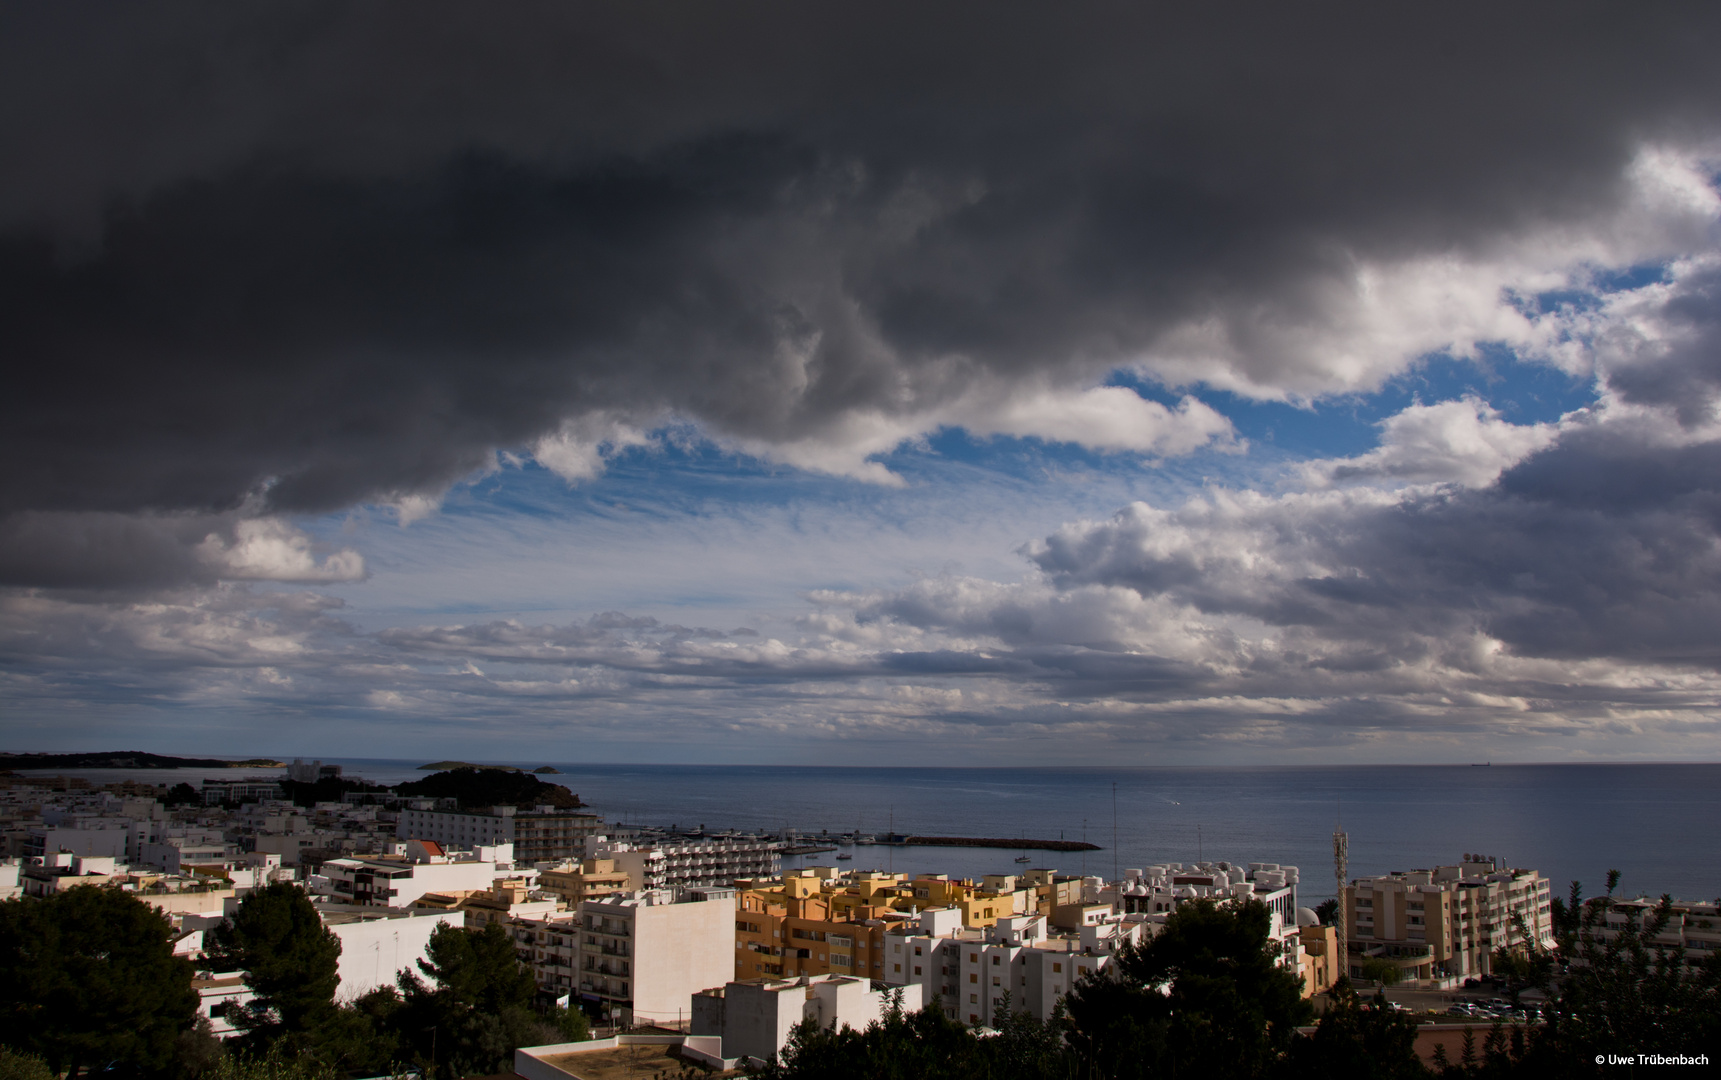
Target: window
<point>1057,969</point>
<point>917,950</point>
<point>996,981</point>
<point>896,968</point>
<point>994,961</point>
<point>973,978</point>
<point>917,969</point>
<point>973,999</point>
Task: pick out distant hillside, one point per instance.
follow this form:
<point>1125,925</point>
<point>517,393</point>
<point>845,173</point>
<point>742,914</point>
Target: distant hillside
<point>447,766</point>
<point>490,787</point>
<point>123,759</point>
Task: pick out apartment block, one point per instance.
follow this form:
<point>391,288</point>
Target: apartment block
<point>644,956</point>
<point>808,923</point>
<point>588,879</point>
<point>1693,927</point>
<point>399,881</point>
<point>971,971</point>
<point>231,792</point>
<point>1443,924</point>
<point>1159,890</point>
<point>545,834</point>
<point>754,1017</point>
<point>550,945</point>
<point>694,863</point>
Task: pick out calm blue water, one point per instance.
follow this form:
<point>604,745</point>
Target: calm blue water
<point>1655,823</point>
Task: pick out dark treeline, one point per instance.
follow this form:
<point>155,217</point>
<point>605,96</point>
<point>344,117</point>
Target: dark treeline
<point>89,984</point>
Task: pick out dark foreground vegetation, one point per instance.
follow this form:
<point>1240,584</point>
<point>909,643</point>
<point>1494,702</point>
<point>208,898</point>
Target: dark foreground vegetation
<point>88,983</point>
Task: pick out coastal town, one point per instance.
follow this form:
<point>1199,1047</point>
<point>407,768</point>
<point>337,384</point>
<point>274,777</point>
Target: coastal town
<point>707,941</point>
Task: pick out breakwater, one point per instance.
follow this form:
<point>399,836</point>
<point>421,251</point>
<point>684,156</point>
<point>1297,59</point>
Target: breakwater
<point>998,842</point>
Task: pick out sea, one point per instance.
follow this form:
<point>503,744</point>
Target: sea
<point>1655,823</point>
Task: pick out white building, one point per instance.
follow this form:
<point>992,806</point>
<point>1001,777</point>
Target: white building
<point>1693,927</point>
<point>969,971</point>
<point>377,945</point>
<point>190,849</point>
<point>754,1017</point>
<point>396,882</point>
<point>309,773</point>
<point>91,835</point>
<point>1158,890</point>
<point>644,955</point>
<point>694,863</point>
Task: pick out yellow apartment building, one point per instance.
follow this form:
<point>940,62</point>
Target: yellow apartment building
<point>812,923</point>
<point>1445,923</point>
<point>589,879</point>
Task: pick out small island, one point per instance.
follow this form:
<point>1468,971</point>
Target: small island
<point>547,770</point>
<point>445,766</point>
<point>476,787</point>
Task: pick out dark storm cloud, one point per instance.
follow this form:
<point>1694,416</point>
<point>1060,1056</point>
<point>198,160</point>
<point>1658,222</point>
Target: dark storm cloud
<point>317,254</point>
<point>1683,370</point>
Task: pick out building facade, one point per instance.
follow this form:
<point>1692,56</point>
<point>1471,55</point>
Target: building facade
<point>717,862</point>
<point>1445,923</point>
<point>1022,960</point>
<point>643,956</point>
<point>546,834</point>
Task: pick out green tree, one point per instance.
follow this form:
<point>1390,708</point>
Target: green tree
<point>1357,1040</point>
<point>1626,987</point>
<point>1327,911</point>
<point>183,794</point>
<point>476,1010</point>
<point>275,1065</point>
<point>925,1045</point>
<point>1203,997</point>
<point>289,957</point>
<point>481,969</point>
<point>16,1066</point>
<point>1379,970</point>
<point>490,787</point>
<point>88,977</point>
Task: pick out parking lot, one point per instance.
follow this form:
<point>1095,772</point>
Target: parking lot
<point>1439,1001</point>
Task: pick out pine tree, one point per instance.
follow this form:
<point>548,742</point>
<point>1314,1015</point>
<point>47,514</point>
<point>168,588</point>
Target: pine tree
<point>88,978</point>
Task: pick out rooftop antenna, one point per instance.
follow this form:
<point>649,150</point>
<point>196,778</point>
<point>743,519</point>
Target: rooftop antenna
<point>1114,831</point>
<point>1341,866</point>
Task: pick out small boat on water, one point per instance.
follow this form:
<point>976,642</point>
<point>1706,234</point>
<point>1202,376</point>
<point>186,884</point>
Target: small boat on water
<point>843,856</point>
<point>1023,859</point>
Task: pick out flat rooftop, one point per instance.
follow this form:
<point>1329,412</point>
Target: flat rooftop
<point>625,1063</point>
